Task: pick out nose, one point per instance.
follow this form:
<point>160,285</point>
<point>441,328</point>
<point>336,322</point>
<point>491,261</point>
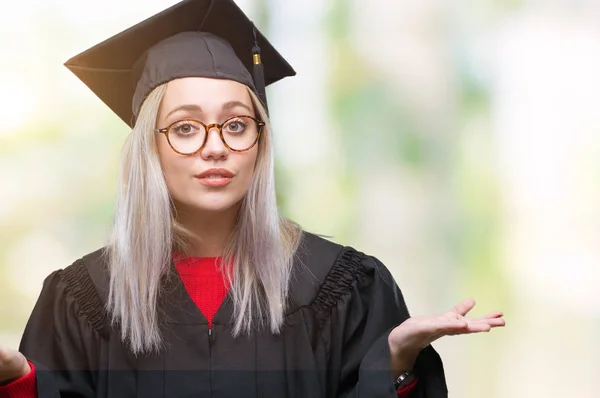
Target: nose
<point>214,147</point>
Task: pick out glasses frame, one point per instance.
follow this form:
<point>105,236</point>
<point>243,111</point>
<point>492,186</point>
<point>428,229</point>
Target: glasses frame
<point>208,127</point>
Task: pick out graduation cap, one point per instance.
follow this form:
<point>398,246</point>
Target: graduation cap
<point>193,38</point>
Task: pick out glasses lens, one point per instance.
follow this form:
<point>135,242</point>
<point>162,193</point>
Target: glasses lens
<point>187,136</point>
<point>240,132</point>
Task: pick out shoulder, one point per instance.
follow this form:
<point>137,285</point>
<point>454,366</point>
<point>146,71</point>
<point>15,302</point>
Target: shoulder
<point>325,272</point>
<point>87,275</point>
<point>84,286</point>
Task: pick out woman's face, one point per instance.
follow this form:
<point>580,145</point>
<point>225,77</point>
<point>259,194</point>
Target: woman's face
<point>215,179</point>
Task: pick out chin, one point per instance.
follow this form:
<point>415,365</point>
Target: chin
<point>218,205</point>
<point>213,207</point>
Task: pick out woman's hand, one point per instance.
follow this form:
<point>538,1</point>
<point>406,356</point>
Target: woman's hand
<point>414,334</point>
<point>13,365</point>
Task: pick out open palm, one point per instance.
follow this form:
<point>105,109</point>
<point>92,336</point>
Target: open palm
<point>416,333</point>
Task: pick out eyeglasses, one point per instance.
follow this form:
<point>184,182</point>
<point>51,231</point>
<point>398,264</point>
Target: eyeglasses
<point>238,133</point>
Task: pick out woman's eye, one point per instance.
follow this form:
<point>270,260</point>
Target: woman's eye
<point>185,128</point>
<point>235,127</point>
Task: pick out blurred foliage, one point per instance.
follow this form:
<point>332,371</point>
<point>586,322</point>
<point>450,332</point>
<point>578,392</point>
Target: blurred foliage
<point>60,169</point>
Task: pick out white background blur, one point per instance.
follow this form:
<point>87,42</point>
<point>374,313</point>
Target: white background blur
<point>459,142</point>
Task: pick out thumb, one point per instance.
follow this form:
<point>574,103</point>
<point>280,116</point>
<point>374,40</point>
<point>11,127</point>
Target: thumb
<point>464,307</point>
<point>13,365</point>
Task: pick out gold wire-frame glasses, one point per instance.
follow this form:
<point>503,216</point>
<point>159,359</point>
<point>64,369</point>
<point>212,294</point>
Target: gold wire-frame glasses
<point>167,131</point>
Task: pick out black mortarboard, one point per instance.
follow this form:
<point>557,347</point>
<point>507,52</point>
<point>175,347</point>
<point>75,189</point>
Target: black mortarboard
<point>193,38</point>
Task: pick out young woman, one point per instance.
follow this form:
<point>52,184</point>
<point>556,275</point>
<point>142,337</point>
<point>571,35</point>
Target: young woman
<point>204,290</point>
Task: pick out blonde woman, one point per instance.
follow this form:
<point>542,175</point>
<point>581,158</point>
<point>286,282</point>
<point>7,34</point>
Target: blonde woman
<point>204,290</point>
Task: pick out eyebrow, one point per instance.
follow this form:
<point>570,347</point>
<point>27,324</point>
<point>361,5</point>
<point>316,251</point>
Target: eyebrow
<point>196,108</point>
<point>232,104</point>
<point>186,107</point>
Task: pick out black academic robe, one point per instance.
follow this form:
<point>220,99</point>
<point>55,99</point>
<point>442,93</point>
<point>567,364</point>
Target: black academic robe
<point>333,344</point>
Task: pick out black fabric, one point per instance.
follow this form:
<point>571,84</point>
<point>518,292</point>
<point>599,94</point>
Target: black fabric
<point>346,269</point>
<point>79,285</point>
<point>343,304</point>
<point>193,38</point>
<point>188,54</point>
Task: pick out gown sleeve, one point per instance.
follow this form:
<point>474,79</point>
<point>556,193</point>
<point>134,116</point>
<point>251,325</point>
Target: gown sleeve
<point>365,304</point>
<point>60,341</point>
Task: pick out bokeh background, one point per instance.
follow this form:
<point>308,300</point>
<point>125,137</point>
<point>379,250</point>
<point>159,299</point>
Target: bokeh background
<point>459,142</point>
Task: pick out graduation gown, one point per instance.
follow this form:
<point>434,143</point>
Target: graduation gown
<point>343,305</point>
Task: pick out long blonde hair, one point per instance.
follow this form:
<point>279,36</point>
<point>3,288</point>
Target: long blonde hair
<point>145,232</point>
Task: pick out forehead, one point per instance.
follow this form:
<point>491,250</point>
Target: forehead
<point>209,94</point>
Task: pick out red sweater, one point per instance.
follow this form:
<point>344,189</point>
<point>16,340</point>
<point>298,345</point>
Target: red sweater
<point>206,286</point>
<point>204,283</point>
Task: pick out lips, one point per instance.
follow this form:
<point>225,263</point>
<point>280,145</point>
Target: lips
<point>216,173</point>
<point>215,178</point>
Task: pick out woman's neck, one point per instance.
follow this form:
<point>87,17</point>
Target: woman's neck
<point>211,231</point>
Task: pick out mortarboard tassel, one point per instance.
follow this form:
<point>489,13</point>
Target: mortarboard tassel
<point>258,72</point>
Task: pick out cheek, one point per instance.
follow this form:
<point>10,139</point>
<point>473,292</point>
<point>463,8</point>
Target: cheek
<point>248,166</point>
<point>172,165</point>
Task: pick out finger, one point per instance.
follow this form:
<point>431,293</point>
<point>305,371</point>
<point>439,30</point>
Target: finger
<point>451,324</point>
<point>492,322</point>
<point>438,326</point>
<point>12,364</point>
<point>485,326</point>
<point>7,355</point>
<point>464,307</point>
<point>467,327</point>
<point>492,315</point>
<point>499,322</point>
<point>478,328</point>
<point>473,328</point>
<point>458,330</point>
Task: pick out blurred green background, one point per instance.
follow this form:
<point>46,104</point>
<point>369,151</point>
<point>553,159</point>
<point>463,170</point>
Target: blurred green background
<point>456,141</point>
